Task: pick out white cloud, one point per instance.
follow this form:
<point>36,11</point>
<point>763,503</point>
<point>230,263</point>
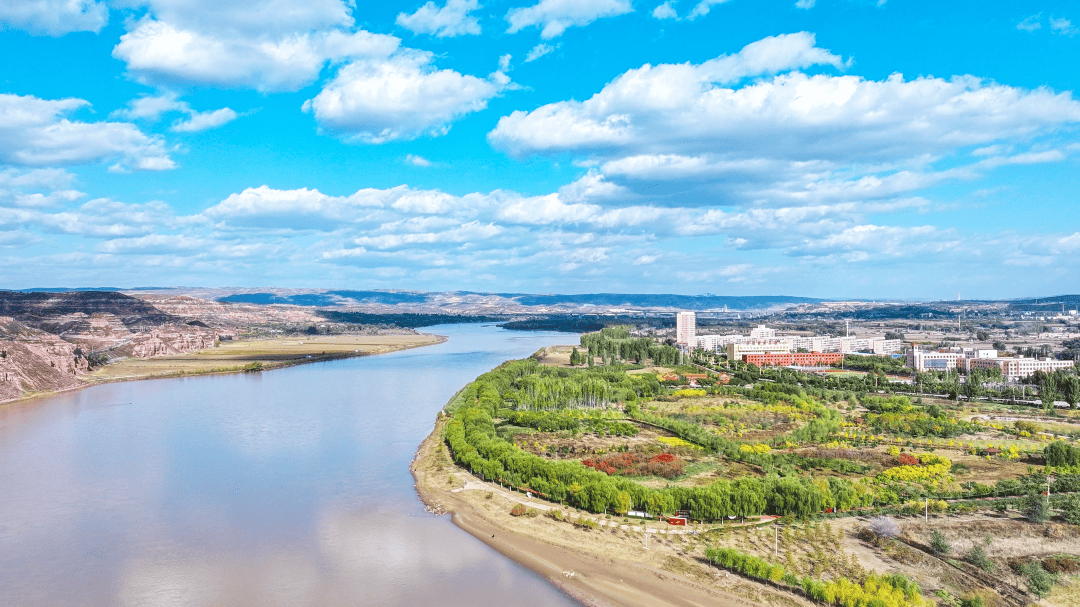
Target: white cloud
<point>665,11</point>
<point>201,121</point>
<point>1063,27</point>
<point>675,111</point>
<point>554,16</point>
<point>54,17</point>
<point>152,107</point>
<point>273,17</point>
<point>400,98</point>
<point>418,161</point>
<point>539,51</point>
<point>1030,24</point>
<point>453,19</point>
<point>158,52</point>
<point>593,187</point>
<point>37,131</point>
<point>504,62</point>
<point>702,8</point>
<point>805,4</point>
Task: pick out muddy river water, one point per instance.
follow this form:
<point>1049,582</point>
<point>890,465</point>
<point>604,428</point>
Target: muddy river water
<point>288,487</point>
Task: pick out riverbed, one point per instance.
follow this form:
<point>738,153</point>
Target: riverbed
<point>288,487</point>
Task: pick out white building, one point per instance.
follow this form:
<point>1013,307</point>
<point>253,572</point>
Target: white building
<point>924,360</point>
<point>716,343</point>
<point>762,332</point>
<point>686,329</point>
<point>736,351</point>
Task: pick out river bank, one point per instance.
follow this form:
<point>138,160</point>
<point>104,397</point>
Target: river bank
<point>604,567</point>
<point>243,356</point>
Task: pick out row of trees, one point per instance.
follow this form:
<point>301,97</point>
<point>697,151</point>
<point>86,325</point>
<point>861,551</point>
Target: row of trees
<point>616,344</point>
<point>878,591</point>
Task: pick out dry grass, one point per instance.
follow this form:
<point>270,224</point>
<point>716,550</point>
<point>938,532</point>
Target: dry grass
<point>235,355</point>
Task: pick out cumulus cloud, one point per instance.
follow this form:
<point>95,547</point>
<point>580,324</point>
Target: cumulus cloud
<point>746,127</point>
<point>158,52</point>
<point>54,17</point>
<point>418,161</point>
<point>805,4</point>
<point>453,19</point>
<point>555,16</point>
<point>665,11</point>
<point>35,132</point>
<point>403,97</point>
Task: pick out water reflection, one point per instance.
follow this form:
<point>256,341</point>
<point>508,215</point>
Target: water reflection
<point>285,488</point>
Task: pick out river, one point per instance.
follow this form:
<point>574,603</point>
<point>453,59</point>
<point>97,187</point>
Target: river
<point>288,487</point>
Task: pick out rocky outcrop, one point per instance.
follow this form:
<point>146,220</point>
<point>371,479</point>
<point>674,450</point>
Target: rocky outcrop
<point>32,360</point>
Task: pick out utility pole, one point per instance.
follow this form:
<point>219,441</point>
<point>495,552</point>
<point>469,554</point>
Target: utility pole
<point>926,512</point>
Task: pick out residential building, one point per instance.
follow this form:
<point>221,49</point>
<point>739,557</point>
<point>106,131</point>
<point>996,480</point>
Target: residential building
<point>686,329</point>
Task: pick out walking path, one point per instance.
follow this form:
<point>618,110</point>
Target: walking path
<point>475,484</point>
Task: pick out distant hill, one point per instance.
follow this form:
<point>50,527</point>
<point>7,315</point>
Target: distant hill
<point>629,300</point>
<point>685,302</point>
<point>1046,304</point>
<point>37,307</point>
<point>328,298</point>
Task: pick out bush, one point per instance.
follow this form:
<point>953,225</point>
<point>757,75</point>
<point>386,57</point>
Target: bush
<point>1070,510</point>
<point>1036,508</point>
<point>585,523</point>
<point>884,526</point>
<point>1040,582</point>
<point>977,556</point>
<point>518,510</point>
<point>938,543</point>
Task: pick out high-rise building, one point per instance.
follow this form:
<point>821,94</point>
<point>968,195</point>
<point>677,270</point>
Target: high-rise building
<point>686,329</point>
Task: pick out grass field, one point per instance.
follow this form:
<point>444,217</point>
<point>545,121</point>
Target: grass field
<point>234,356</point>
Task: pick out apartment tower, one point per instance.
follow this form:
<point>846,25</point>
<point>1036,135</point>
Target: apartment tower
<point>686,329</point>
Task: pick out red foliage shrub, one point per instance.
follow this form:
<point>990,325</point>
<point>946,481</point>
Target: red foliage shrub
<point>630,464</point>
<point>906,459</point>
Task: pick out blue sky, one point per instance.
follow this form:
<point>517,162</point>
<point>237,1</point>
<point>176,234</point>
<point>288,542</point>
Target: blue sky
<point>830,148</point>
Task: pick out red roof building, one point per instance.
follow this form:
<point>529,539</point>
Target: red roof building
<point>808,359</point>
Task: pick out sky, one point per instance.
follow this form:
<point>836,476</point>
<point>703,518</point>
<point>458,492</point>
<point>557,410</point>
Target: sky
<point>822,148</point>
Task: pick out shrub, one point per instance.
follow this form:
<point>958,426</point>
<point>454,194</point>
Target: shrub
<point>585,523</point>
<point>1040,582</point>
<point>1036,508</point>
<point>977,556</point>
<point>884,526</point>
<point>938,543</point>
<point>518,510</point>
<point>1070,510</point>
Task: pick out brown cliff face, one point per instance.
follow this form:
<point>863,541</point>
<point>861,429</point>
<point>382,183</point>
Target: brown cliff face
<point>32,360</point>
<point>50,339</point>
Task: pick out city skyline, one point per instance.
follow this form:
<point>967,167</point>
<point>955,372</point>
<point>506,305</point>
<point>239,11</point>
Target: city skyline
<point>836,149</point>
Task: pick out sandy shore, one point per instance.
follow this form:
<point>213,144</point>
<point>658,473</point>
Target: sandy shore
<point>238,356</point>
<point>605,567</point>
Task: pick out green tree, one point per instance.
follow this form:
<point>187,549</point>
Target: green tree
<point>1040,582</point>
<point>938,543</point>
<point>1036,508</point>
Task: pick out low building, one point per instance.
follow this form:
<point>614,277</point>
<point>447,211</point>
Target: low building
<point>804,359</point>
<point>925,360</point>
<point>1014,367</point>
<point>737,351</point>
